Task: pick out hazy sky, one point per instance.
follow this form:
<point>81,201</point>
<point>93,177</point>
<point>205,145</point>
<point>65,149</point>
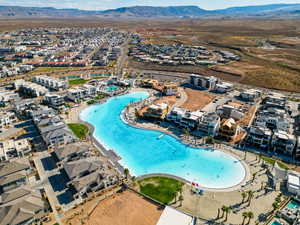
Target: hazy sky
<point>107,4</point>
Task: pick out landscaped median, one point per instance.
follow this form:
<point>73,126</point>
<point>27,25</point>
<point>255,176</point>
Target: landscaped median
<point>80,130</point>
<point>162,189</point>
<point>273,161</point>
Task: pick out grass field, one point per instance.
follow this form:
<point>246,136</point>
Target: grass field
<point>162,189</point>
<point>77,82</point>
<point>55,69</point>
<point>80,130</point>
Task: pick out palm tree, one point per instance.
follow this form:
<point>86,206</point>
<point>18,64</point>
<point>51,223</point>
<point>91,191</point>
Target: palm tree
<point>181,199</point>
<point>223,210</point>
<point>126,172</point>
<point>275,206</point>
<point>245,215</point>
<point>244,195</point>
<point>250,216</point>
<point>253,176</point>
<point>227,211</point>
<point>218,216</point>
<point>250,196</point>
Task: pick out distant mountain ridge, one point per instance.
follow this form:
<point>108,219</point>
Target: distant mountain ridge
<point>262,11</point>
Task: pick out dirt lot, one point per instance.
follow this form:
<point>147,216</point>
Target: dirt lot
<point>196,99</point>
<point>126,208</point>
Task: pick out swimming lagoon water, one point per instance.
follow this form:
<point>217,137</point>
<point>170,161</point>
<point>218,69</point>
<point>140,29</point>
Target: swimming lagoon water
<point>145,151</point>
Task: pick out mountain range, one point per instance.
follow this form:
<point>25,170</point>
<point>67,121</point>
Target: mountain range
<point>263,11</point>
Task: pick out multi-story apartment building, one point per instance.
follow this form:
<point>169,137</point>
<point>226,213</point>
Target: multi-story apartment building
<point>51,82</point>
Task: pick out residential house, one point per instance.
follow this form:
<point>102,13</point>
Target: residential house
<point>26,209</point>
<point>209,124</point>
<point>13,175</point>
<point>88,174</point>
<point>229,111</point>
<point>203,82</point>
<point>72,151</point>
<point>283,142</point>
<point>7,97</point>
<point>54,100</point>
<point>158,111</point>
<point>14,149</point>
<point>55,132</point>
<point>273,118</point>
<point>259,136</point>
<point>229,129</point>
<point>223,87</point>
<point>7,118</point>
<point>250,95</point>
<point>190,120</point>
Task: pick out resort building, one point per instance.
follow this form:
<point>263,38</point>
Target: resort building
<point>157,111</point>
<point>202,82</point>
<point>54,100</point>
<point>79,93</point>
<point>51,83</point>
<point>260,137</point>
<point>229,129</point>
<point>14,149</point>
<point>209,124</point>
<point>283,142</point>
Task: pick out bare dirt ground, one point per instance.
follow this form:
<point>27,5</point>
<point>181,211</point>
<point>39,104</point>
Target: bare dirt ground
<point>126,208</point>
<point>196,99</point>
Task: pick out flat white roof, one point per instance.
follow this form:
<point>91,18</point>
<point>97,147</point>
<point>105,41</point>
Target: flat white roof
<point>294,180</point>
<point>171,216</point>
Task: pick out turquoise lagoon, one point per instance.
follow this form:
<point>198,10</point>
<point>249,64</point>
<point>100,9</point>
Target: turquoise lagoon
<point>145,151</point>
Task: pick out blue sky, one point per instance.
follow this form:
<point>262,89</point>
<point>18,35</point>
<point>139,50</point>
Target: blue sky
<point>107,4</point>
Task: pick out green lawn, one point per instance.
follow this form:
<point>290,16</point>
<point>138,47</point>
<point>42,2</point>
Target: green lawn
<point>55,69</point>
<point>77,82</point>
<point>162,189</point>
<point>272,162</point>
<point>80,130</point>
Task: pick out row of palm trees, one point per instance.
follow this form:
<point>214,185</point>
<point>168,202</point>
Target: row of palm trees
<point>226,210</point>
<point>249,195</point>
<point>248,215</point>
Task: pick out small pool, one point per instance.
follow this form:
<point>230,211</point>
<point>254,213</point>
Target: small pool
<point>111,88</point>
<point>100,75</point>
<point>276,223</point>
<point>293,205</point>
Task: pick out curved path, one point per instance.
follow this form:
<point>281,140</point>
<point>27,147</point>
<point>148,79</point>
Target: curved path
<point>144,151</point>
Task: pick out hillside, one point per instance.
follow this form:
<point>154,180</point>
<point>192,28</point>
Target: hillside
<point>267,11</point>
